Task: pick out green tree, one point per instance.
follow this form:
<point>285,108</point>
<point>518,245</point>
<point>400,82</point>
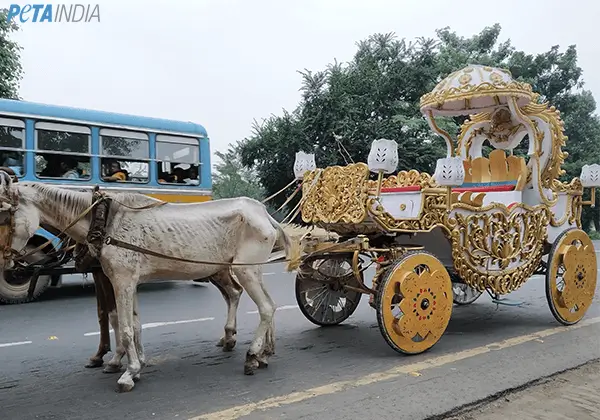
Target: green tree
<point>11,71</point>
<point>232,179</point>
<point>376,95</point>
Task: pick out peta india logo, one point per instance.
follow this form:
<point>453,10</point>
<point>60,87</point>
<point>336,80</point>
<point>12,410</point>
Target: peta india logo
<point>42,13</point>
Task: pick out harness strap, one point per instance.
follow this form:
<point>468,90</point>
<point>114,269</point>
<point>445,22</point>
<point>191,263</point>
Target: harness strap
<point>121,244</point>
<point>149,206</point>
<point>36,273</point>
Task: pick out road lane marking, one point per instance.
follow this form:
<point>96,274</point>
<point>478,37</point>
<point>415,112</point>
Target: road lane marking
<point>281,308</point>
<point>393,373</point>
<point>158,324</point>
<point>268,274</point>
<point>16,343</point>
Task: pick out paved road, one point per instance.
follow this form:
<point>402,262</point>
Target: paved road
<point>347,372</point>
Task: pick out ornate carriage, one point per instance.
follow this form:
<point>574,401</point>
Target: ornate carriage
<point>478,224</point>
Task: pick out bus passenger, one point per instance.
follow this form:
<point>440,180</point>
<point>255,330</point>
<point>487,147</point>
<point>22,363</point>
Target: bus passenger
<point>69,168</point>
<point>180,172</point>
<point>192,179</point>
<point>13,161</point>
<point>115,173</point>
<point>53,166</point>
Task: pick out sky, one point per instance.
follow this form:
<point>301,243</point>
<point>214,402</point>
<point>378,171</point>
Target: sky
<point>226,63</point>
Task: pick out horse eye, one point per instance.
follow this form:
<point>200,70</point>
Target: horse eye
<point>4,217</point>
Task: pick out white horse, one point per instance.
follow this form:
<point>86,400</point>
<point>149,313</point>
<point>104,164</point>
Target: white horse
<point>231,231</point>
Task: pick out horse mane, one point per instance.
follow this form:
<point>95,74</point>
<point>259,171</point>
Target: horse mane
<point>72,202</point>
<point>65,203</point>
<point>131,198</point>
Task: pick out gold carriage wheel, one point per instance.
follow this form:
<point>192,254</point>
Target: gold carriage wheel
<point>571,276</point>
<point>414,303</point>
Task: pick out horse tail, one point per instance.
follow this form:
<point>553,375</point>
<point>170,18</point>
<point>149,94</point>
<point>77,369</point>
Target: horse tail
<point>293,250</point>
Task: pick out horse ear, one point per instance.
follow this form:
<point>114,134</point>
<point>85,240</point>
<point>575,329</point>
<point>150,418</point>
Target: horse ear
<point>5,181</point>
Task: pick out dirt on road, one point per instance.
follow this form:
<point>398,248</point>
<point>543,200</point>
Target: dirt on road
<point>574,394</point>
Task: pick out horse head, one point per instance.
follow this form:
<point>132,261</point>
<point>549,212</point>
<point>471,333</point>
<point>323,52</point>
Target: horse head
<point>18,219</point>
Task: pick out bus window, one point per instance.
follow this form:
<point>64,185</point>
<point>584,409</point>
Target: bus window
<point>177,159</point>
<point>125,156</point>
<point>63,151</point>
<point>12,145</point>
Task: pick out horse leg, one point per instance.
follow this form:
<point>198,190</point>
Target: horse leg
<point>102,303</point>
<point>114,364</point>
<point>250,278</point>
<point>232,292</point>
<point>125,291</point>
<point>269,349</point>
<point>137,336</point>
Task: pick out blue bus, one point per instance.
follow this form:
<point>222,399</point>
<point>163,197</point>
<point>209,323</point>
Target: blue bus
<point>80,148</point>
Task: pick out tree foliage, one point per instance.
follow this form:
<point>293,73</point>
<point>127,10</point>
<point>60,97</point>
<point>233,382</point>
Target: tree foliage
<point>232,179</point>
<point>11,71</point>
<point>376,95</point>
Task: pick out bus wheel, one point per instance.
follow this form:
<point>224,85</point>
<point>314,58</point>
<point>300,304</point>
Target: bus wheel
<point>13,289</point>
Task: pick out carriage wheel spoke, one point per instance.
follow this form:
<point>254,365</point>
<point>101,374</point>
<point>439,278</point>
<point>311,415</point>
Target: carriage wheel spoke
<point>332,303</point>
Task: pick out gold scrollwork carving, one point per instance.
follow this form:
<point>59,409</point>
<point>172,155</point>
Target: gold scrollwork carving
<point>498,251</point>
<point>575,213</point>
<point>465,128</point>
<point>499,130</point>
<point>405,179</point>
<point>553,169</point>
<point>469,92</point>
<point>338,196</point>
<point>465,78</point>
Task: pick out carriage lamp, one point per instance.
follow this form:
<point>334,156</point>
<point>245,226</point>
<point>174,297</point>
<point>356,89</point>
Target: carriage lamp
<point>304,162</point>
<point>383,158</point>
<point>590,178</point>
<point>449,172</point>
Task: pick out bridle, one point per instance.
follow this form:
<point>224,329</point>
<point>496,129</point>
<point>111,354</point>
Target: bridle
<point>7,219</point>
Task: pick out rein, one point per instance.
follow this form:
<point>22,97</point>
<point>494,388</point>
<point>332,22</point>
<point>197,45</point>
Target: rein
<point>121,244</point>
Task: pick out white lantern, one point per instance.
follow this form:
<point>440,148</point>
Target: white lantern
<point>590,176</point>
<point>383,156</point>
<point>449,172</point>
<point>304,162</point>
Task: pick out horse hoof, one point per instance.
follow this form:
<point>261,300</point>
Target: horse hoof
<point>94,363</point>
<point>112,369</point>
<point>125,386</point>
<point>229,345</point>
<point>262,365</point>
<point>136,378</point>
<point>220,342</point>
<point>251,364</point>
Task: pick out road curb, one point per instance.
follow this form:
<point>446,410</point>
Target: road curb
<point>466,409</point>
